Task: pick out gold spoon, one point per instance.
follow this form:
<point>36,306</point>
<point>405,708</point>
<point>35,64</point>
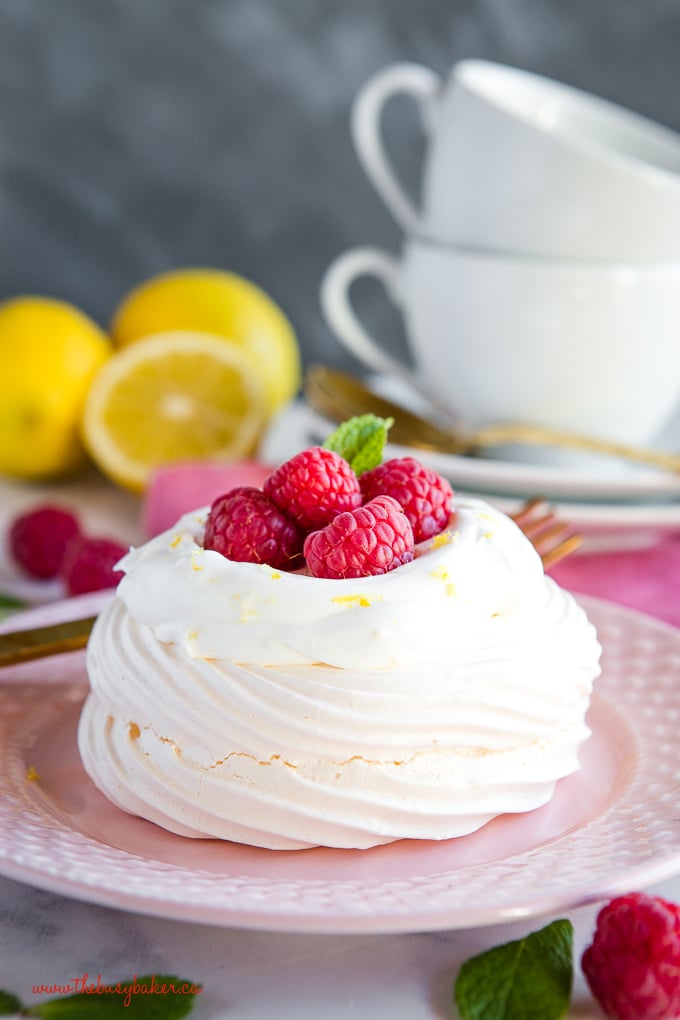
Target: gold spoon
<point>38,642</point>
<point>339,396</point>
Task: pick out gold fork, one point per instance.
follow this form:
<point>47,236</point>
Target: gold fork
<point>548,535</point>
<point>552,538</point>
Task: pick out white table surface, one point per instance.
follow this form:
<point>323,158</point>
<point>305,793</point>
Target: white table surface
<point>247,975</point>
<point>251,975</point>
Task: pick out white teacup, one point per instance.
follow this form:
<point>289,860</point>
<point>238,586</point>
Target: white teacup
<point>518,163</point>
<point>594,348</point>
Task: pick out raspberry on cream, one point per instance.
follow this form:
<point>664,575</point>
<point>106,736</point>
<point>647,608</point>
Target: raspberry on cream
<point>238,701</point>
<point>313,486</point>
<point>245,525</point>
<point>372,539</point>
<point>425,497</point>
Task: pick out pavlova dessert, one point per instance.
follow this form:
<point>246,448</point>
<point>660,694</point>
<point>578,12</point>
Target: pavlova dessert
<point>349,656</point>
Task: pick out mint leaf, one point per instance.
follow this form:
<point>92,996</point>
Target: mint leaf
<point>145,998</point>
<point>9,1003</point>
<point>9,604</point>
<point>361,441</point>
<point>530,977</point>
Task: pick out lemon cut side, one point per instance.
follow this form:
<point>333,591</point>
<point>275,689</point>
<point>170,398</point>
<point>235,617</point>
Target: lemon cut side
<point>222,304</point>
<point>168,398</point>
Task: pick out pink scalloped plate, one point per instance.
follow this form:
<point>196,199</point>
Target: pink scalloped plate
<point>611,827</point>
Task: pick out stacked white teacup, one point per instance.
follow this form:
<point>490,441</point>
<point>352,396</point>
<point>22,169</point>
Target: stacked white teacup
<point>540,280</point>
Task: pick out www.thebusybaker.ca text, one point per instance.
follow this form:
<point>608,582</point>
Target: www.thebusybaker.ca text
<point>148,986</point>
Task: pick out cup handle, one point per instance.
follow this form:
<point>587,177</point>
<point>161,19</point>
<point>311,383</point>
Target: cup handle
<point>340,315</point>
<point>411,79</point>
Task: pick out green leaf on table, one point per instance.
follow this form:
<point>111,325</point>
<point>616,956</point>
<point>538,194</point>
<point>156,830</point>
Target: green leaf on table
<point>9,1003</point>
<point>361,441</point>
<point>152,997</point>
<point>529,978</point>
<point>9,604</point>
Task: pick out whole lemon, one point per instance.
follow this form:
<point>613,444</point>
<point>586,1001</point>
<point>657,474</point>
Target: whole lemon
<point>224,304</point>
<point>49,353</point>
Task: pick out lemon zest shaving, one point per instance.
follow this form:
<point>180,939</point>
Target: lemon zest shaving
<point>445,538</point>
<point>353,600</point>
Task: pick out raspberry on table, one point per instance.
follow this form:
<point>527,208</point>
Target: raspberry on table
<point>89,565</point>
<point>426,497</point>
<point>38,539</point>
<point>633,962</point>
<point>245,525</point>
<point>372,539</point>
<point>313,487</point>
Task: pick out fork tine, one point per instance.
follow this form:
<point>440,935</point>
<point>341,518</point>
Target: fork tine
<point>542,527</point>
<point>525,517</point>
<point>569,545</point>
<point>535,528</point>
<point>540,536</point>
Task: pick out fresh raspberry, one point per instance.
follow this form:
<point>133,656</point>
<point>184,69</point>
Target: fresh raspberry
<point>372,539</point>
<point>88,565</point>
<point>314,486</point>
<point>244,525</point>
<point>633,962</point>
<point>38,539</point>
<point>426,497</point>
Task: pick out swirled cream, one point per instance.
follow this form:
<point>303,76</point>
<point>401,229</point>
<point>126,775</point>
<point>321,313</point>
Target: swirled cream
<point>235,701</point>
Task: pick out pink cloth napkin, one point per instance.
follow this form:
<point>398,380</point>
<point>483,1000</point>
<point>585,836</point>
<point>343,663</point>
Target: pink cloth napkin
<point>645,579</point>
<point>178,489</point>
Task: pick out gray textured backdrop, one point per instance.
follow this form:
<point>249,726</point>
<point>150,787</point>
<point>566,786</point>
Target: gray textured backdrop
<point>138,135</point>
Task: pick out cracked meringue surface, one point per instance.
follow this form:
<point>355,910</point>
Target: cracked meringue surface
<point>235,701</point>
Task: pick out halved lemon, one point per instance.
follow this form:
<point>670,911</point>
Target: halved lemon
<point>172,397</point>
<point>224,304</point>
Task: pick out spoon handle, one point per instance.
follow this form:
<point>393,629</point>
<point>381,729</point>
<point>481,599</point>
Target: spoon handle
<point>540,435</point>
<point>38,642</point>
<point>338,395</point>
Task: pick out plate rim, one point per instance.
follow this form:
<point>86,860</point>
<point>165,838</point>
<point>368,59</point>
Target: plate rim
<point>426,918</point>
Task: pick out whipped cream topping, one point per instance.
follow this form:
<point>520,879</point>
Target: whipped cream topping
<point>476,574</point>
<point>240,702</point>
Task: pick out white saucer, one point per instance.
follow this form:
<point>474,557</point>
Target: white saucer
<point>630,509</point>
<point>556,473</point>
<point>567,481</point>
